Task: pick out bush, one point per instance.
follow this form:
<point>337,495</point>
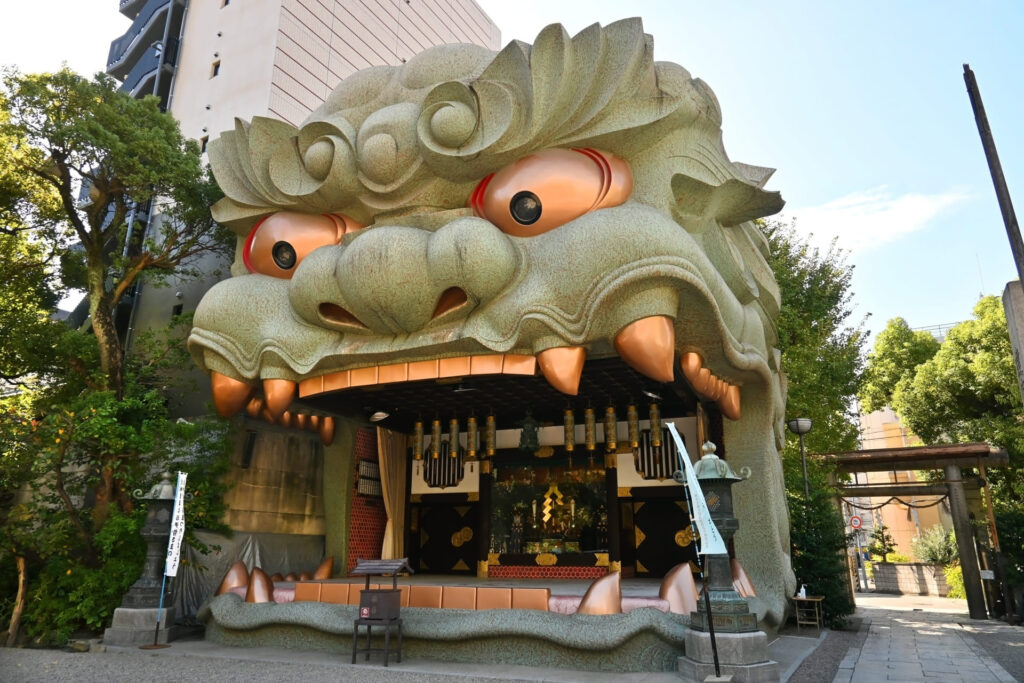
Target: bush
<point>955,581</point>
<point>819,554</point>
<point>937,546</point>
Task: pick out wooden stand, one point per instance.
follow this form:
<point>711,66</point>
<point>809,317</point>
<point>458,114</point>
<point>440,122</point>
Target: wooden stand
<point>808,611</point>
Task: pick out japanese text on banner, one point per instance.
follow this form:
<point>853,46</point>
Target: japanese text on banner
<point>177,528</point>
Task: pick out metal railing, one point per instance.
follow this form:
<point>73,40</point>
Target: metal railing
<point>120,47</point>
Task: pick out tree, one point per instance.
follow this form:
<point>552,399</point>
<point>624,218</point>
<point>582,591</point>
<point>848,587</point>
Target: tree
<point>62,134</point>
<point>897,354</point>
<point>821,350</point>
<point>882,543</point>
<point>821,356</point>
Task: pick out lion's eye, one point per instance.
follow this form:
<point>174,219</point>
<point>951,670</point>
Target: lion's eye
<point>280,241</point>
<point>550,188</point>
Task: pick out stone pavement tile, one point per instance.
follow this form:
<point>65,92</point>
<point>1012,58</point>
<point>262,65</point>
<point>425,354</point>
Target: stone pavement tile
<point>943,678</point>
<point>937,667</point>
<point>901,669</point>
<point>843,676</point>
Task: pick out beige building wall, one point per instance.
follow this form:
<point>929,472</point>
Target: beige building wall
<point>883,429</point>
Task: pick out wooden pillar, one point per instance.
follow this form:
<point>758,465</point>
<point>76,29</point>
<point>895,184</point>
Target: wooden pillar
<point>483,547</point>
<point>611,490</point>
<point>965,543</point>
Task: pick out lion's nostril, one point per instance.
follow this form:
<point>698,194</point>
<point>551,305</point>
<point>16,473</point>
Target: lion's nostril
<point>450,299</point>
<point>336,314</point>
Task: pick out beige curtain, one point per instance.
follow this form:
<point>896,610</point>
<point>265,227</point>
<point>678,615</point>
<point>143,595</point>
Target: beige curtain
<point>391,455</point>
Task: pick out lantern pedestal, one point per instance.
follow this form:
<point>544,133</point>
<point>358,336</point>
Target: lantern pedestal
<point>743,657</point>
<point>133,626</point>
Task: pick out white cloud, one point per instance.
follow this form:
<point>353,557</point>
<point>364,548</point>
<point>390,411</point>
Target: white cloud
<point>874,217</point>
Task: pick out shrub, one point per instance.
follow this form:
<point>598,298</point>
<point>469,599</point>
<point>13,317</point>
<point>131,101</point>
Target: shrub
<point>882,543</point>
<point>819,554</point>
<point>937,546</point>
<point>955,581</point>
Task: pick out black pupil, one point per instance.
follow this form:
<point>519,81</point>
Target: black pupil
<point>525,207</point>
<point>284,255</point>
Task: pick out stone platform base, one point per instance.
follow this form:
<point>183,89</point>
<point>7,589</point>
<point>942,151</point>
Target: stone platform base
<point>743,656</point>
<point>136,626</point>
<point>644,639</point>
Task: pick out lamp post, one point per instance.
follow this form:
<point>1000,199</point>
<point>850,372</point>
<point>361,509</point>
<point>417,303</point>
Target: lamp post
<point>801,426</point>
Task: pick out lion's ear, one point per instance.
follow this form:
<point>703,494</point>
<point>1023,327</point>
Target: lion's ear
<point>730,203</point>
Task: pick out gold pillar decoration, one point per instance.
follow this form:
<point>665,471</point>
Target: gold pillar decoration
<point>655,415</point>
<point>490,435</point>
<point>453,437</point>
<point>417,440</point>
<point>570,430</point>
<point>435,441</point>
<point>590,428</point>
<point>702,423</point>
<point>633,420</point>
<point>471,436</point>
<point>611,438</point>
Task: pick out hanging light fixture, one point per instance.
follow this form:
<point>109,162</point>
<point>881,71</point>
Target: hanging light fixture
<point>590,428</point>
<point>417,440</point>
<point>633,420</point>
<point>453,437</point>
<point>655,415</point>
<point>611,440</point>
<point>471,436</point>
<point>570,430</point>
<point>490,435</point>
<point>435,443</point>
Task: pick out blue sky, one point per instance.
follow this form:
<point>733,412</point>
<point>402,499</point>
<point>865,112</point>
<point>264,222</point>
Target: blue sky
<point>861,108</point>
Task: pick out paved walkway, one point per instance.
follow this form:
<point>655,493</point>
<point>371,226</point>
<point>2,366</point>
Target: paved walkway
<point>924,639</point>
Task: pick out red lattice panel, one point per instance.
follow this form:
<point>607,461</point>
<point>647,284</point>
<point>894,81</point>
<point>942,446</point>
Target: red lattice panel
<point>521,572</point>
<point>368,516</point>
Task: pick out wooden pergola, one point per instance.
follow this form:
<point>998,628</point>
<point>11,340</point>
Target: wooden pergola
<point>951,459</point>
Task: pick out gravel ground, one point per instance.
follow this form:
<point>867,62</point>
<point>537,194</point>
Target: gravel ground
<point>57,666</point>
<point>823,663</point>
<point>1001,642</point>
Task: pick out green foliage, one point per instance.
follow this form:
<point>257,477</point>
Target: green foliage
<point>897,354</point>
<point>955,582</point>
<point>821,350</point>
<point>882,543</point>
<point>71,596</point>
<point>1010,523</point>
<point>819,553</point>
<point>937,546</point>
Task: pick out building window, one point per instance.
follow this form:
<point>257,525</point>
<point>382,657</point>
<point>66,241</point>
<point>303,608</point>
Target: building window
<point>202,143</point>
<point>215,69</point>
<point>177,310</point>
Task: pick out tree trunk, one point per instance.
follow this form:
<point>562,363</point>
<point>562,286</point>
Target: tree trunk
<point>19,601</point>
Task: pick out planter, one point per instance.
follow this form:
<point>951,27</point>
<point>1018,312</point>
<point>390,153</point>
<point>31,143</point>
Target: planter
<point>910,578</point>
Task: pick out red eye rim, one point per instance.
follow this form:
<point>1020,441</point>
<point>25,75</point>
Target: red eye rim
<point>247,249</point>
<point>476,200</point>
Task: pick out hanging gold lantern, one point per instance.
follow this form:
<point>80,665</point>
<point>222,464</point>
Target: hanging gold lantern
<point>417,440</point>
<point>471,436</point>
<point>435,442</point>
<point>633,420</point>
<point>490,435</point>
<point>570,430</point>
<point>611,440</point>
<point>655,426</point>
<point>453,437</point>
<point>590,428</point>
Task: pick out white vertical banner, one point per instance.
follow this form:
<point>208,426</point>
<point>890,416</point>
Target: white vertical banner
<point>177,528</point>
<point>710,541</point>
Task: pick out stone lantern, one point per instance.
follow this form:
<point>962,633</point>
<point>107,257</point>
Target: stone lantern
<point>731,612</point>
<point>134,621</point>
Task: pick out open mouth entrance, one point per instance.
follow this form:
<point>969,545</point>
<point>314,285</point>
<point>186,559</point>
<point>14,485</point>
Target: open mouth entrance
<point>536,506</point>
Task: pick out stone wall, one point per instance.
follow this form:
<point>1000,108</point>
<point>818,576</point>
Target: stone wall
<point>910,578</point>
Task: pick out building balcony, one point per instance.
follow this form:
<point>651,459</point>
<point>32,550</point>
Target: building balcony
<point>147,28</point>
<point>130,8</point>
<point>142,79</point>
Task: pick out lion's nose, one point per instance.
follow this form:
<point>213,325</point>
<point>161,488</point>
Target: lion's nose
<point>397,279</point>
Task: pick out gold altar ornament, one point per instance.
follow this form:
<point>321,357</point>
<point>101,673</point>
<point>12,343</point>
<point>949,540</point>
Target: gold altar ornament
<point>633,420</point>
<point>453,437</point>
<point>490,435</point>
<point>471,436</point>
<point>610,437</point>
<point>655,416</point>
<point>570,430</point>
<point>435,438</point>
<point>590,428</point>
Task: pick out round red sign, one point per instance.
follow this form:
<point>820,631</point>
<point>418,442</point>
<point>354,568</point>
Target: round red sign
<point>855,521</point>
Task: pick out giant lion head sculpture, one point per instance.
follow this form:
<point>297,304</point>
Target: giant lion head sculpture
<point>523,212</point>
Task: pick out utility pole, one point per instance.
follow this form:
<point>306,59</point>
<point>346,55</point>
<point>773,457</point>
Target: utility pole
<point>996,169</point>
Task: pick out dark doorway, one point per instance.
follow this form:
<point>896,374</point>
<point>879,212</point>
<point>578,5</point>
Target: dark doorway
<point>662,536</point>
<point>447,539</point>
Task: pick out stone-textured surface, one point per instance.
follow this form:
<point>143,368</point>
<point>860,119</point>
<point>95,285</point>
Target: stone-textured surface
<point>914,578</point>
<point>401,149</point>
<point>137,626</point>
<point>642,640</point>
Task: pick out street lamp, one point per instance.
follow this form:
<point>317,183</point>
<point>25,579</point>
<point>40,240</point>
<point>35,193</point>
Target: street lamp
<point>801,426</point>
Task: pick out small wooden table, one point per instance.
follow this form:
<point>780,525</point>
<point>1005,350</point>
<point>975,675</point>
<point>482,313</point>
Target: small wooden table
<point>808,611</point>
